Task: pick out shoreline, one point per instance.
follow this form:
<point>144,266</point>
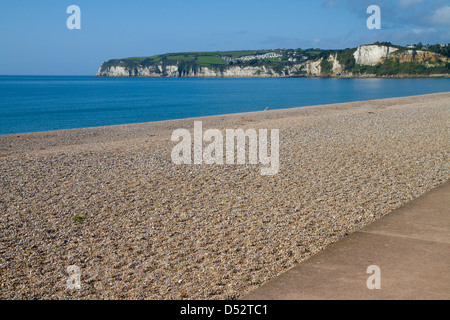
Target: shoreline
<point>110,201</point>
<point>230,117</point>
<point>363,76</point>
<point>220,115</point>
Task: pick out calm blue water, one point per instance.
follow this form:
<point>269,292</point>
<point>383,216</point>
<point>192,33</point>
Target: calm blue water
<point>42,103</point>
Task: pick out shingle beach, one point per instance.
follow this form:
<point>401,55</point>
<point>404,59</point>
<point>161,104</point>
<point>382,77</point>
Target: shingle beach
<point>111,201</point>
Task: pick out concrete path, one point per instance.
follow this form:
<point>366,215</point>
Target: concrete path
<point>411,246</point>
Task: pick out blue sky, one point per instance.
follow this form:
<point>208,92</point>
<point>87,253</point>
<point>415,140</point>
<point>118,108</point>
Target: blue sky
<point>34,38</point>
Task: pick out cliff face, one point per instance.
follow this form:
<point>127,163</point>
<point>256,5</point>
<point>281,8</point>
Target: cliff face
<point>279,63</point>
<point>313,67</point>
<point>337,67</point>
<point>204,72</point>
<point>420,56</point>
<point>373,54</point>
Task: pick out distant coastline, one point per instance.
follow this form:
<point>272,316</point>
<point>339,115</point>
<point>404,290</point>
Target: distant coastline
<point>383,60</point>
<point>359,76</point>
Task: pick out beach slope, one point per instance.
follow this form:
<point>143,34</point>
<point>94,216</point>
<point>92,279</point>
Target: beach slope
<point>110,201</point>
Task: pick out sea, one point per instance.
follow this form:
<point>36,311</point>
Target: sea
<point>45,103</point>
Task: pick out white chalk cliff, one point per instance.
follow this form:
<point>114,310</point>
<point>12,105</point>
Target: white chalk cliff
<point>373,54</point>
<point>337,67</point>
<point>203,72</point>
